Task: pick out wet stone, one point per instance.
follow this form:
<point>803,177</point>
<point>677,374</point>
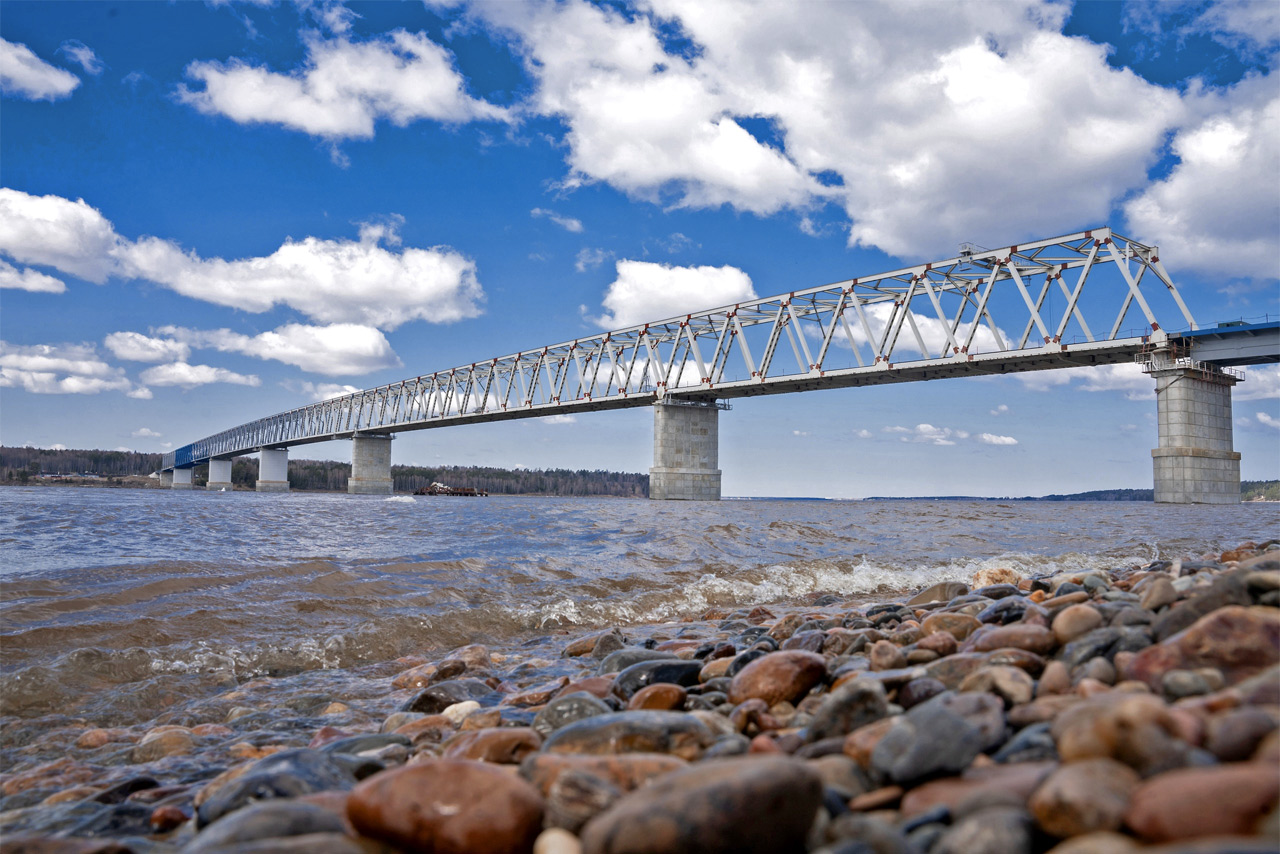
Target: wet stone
<point>742,806</point>
<point>1084,797</point>
<point>633,732</point>
<point>442,695</point>
<point>928,740</point>
<point>917,691</point>
<point>501,745</point>
<point>940,592</point>
<point>287,774</point>
<point>448,806</point>
<point>1008,830</point>
<point>1074,621</point>
<point>662,696</point>
<point>1222,800</point>
<point>268,819</point>
<point>644,673</point>
<point>779,676</point>
<point>621,659</point>
<point>852,705</point>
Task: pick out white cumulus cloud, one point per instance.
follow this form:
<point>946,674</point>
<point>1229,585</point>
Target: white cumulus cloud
<point>326,391</point>
<point>372,281</point>
<point>27,279</point>
<point>645,292</point>
<point>190,376</point>
<point>1261,382</point>
<point>343,88</point>
<point>912,117</point>
<point>1218,210</point>
<point>136,347</point>
<point>58,369</point>
<point>337,349</point>
<point>145,433</point>
<point>25,75</point>
<point>993,439</point>
<point>1269,420</point>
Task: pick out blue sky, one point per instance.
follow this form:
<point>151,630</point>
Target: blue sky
<point>212,212</point>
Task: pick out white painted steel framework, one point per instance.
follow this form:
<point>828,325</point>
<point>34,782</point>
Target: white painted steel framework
<point>1046,304</point>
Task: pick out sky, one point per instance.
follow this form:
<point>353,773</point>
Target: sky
<point>213,212</point>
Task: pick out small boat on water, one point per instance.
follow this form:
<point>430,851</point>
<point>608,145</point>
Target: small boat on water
<point>442,489</point>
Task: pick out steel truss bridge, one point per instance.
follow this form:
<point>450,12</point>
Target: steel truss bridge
<point>1066,301</point>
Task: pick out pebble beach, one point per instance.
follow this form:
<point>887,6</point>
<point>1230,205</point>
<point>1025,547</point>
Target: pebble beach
<point>1134,709</point>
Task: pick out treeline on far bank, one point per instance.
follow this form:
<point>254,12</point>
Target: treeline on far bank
<point>30,465</point>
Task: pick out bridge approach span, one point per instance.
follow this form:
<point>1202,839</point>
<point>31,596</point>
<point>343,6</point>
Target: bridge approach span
<point>1089,298</point>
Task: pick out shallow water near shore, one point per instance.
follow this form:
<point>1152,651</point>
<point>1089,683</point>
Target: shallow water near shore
<point>118,605</point>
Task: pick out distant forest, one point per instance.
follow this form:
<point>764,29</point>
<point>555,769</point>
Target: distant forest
<point>26,465</point>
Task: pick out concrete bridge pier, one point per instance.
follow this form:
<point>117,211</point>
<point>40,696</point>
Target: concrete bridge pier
<point>166,479</point>
<point>370,466</point>
<point>686,451</point>
<point>273,470</point>
<point>219,475</point>
<point>182,478</point>
<point>1195,462</point>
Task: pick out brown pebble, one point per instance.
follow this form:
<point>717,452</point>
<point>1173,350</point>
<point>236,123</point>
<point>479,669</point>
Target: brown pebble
<point>501,745</point>
<point>885,796</point>
<point>448,806</point>
<point>783,675</point>
<point>1084,797</point>
<point>959,626</point>
<point>1192,802</point>
<point>663,696</point>
<point>1238,641</point>
<point>1074,621</point>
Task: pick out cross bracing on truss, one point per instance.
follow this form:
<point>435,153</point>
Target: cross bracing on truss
<point>1023,307</point>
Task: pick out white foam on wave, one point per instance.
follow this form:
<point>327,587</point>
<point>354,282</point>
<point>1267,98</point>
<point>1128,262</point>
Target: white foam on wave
<point>400,499</point>
<point>793,583</point>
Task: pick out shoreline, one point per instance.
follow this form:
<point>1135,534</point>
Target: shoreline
<point>1088,707</point>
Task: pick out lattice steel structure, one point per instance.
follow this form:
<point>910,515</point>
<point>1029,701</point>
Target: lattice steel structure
<point>1024,307</point>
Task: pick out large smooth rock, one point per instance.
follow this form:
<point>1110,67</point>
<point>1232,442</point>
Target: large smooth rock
<point>1084,797</point>
<point>1213,801</point>
<point>1240,642</point>
<point>645,673</point>
<point>785,676</point>
<point>959,626</point>
<point>943,591</point>
<point>567,709</point>
<point>852,705</point>
<point>267,820</point>
<point>505,745</point>
<point>676,733</point>
<point>442,695</point>
<point>626,771</point>
<point>286,774</point>
<point>729,806</point>
<point>1005,829</point>
<point>1136,729</point>
<point>448,806</point>
<point>929,740</point>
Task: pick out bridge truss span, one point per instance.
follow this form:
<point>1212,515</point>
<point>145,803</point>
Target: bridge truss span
<point>1093,297</point>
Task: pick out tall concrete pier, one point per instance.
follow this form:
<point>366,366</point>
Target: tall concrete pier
<point>370,466</point>
<point>219,475</point>
<point>686,451</point>
<point>273,470</point>
<point>182,479</point>
<point>1195,462</point>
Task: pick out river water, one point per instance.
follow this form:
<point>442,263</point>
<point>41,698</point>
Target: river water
<point>117,604</point>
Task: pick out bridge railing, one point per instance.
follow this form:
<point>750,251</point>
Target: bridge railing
<point>1029,297</point>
